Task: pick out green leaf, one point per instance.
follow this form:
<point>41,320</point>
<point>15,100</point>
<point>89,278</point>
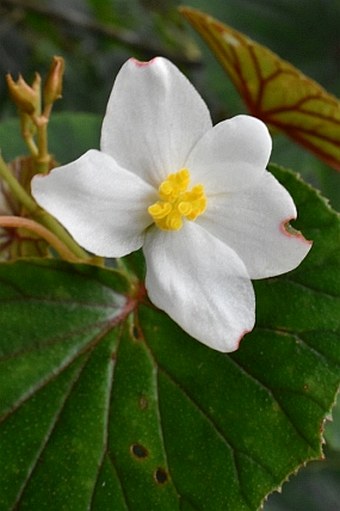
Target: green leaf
<point>107,405</point>
<point>332,432</point>
<point>70,135</point>
<point>273,89</point>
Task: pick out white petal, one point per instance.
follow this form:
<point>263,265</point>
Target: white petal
<point>154,117</point>
<point>103,206</point>
<point>232,155</point>
<point>201,283</point>
<point>252,223</point>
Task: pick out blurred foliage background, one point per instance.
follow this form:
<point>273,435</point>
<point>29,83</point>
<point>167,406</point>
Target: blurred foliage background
<point>96,36</point>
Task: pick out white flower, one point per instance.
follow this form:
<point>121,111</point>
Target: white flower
<point>197,198</point>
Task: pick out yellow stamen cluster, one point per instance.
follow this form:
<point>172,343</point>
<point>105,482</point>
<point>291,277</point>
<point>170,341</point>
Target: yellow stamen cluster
<point>177,202</point>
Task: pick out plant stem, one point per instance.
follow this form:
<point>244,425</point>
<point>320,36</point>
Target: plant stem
<point>39,214</point>
<point>54,226</point>
<point>43,157</point>
<point>27,132</point>
<point>29,140</point>
<point>17,222</point>
<point>18,191</point>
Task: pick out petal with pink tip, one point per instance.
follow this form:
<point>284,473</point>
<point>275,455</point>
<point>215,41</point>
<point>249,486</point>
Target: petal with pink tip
<point>154,117</point>
<point>252,222</point>
<point>201,283</point>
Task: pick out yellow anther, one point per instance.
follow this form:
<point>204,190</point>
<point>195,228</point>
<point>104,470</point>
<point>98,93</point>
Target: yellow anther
<point>159,210</point>
<point>176,202</point>
<point>185,208</point>
<point>166,188</point>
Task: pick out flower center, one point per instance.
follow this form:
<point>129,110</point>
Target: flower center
<point>176,202</point>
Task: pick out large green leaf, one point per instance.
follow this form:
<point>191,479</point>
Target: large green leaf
<point>107,405</point>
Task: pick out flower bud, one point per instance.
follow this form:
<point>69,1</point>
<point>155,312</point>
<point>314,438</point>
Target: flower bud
<point>54,81</point>
<point>25,97</point>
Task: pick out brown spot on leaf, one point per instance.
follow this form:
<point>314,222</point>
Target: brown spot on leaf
<point>161,476</point>
<point>143,402</point>
<point>139,451</point>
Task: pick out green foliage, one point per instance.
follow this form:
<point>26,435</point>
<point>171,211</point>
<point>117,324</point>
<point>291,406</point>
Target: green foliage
<point>108,408</point>
<point>110,404</point>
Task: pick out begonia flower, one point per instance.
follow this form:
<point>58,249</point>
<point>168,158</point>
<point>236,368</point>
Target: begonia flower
<point>197,198</point>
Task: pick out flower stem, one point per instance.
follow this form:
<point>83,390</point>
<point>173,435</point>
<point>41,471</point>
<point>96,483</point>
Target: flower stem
<point>27,133</point>
<point>43,157</point>
<point>18,191</point>
<point>54,226</point>
<point>17,222</point>
<point>29,140</point>
<point>39,214</point>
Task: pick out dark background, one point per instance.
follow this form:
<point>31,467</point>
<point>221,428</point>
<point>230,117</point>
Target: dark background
<point>96,36</point>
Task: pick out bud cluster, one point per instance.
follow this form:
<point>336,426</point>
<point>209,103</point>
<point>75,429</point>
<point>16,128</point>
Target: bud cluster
<point>35,104</point>
<point>28,97</point>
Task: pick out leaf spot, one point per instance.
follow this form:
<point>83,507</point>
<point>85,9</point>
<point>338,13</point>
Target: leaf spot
<point>143,402</point>
<point>136,333</point>
<point>161,476</point>
<point>139,451</point>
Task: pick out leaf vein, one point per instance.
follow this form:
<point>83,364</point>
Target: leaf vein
<point>312,289</point>
<point>115,471</point>
<point>161,434</point>
<point>108,452</point>
<point>54,374</point>
<point>271,393</point>
<point>49,434</point>
<point>303,341</point>
<point>215,427</point>
<point>32,299</point>
<point>106,423</point>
